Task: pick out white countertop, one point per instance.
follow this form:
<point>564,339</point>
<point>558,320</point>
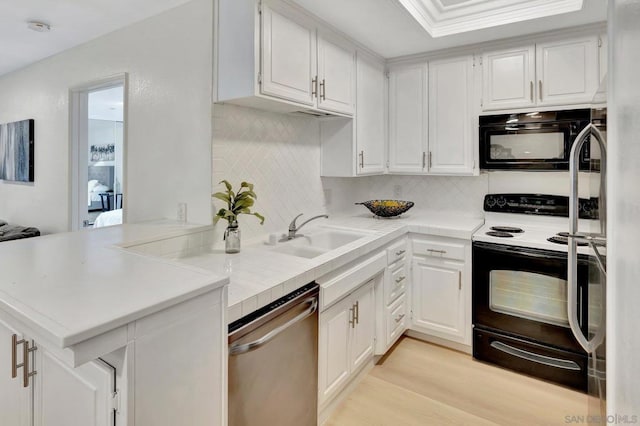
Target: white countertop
<point>260,275</point>
<point>70,287</point>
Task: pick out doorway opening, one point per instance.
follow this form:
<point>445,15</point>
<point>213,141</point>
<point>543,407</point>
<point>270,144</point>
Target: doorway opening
<point>98,134</point>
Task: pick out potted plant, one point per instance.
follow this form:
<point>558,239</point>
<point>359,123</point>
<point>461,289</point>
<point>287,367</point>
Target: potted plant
<point>237,203</point>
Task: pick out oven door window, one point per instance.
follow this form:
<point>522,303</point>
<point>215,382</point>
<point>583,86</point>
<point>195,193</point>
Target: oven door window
<point>529,295</point>
<point>547,146</point>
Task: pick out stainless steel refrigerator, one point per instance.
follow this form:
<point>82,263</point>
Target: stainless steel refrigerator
<point>592,183</point>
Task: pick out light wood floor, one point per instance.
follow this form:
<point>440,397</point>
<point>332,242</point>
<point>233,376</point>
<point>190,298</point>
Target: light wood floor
<point>424,384</point>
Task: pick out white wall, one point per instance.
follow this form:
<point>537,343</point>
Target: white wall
<point>168,59</point>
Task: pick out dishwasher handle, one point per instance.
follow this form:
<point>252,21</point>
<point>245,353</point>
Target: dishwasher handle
<point>243,348</point>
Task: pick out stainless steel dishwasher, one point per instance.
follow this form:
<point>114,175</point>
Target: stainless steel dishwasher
<point>273,363</point>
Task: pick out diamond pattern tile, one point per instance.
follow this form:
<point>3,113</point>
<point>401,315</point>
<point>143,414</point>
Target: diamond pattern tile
<point>278,153</point>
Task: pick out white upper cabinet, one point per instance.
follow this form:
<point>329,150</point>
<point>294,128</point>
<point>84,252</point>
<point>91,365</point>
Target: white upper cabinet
<point>563,72</point>
<point>370,116</point>
<point>451,116</point>
<point>408,119</point>
<point>354,147</point>
<point>508,80</point>
<point>336,75</point>
<point>288,58</point>
<point>271,55</point>
<point>567,71</point>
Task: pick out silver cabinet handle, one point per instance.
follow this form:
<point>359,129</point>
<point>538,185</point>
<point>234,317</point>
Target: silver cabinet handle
<point>361,159</point>
<point>531,90</point>
<point>430,160</point>
<point>399,318</point>
<point>352,316</point>
<point>431,251</point>
<point>357,312</point>
<point>323,89</point>
<point>400,279</point>
<point>424,160</point>
<point>400,252</point>
<point>25,359</point>
<point>533,357</point>
<point>239,349</point>
<point>314,86</point>
<point>14,355</point>
<point>540,89</point>
<point>459,280</point>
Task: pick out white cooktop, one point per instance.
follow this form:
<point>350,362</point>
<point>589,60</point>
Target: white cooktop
<point>536,230</point>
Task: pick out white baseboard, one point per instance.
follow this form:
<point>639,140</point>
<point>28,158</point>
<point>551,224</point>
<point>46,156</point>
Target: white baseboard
<point>439,341</point>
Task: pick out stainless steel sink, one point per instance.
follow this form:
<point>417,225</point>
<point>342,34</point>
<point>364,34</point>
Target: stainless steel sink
<point>319,241</point>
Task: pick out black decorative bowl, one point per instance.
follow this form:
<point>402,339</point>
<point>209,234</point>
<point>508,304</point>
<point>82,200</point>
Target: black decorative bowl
<point>387,208</point>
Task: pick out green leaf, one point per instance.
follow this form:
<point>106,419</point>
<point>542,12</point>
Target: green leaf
<point>259,216</point>
<point>227,184</point>
<point>222,196</point>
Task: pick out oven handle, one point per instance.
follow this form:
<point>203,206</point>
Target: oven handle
<point>517,250</point>
<point>572,269</point>
<point>239,349</point>
<point>537,358</point>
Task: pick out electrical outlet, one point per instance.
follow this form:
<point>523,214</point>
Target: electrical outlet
<point>397,191</point>
<point>182,212</point>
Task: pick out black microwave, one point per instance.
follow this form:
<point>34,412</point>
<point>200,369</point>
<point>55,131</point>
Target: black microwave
<point>532,141</point>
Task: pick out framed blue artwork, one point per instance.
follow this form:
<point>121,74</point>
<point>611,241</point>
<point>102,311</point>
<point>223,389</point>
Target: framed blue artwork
<point>16,151</point>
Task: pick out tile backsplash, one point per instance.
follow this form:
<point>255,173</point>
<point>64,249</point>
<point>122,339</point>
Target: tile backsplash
<point>461,195</point>
<point>279,153</point>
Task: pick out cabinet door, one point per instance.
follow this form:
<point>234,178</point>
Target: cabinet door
<point>15,400</point>
<point>567,71</point>
<point>371,117</point>
<point>451,115</point>
<point>408,120</point>
<point>336,75</point>
<point>288,57</point>
<point>334,331</point>
<point>364,331</point>
<point>509,78</point>
<point>438,300</point>
<point>396,316</point>
<point>67,396</point>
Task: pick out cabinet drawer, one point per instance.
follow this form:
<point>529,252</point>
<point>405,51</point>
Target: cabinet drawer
<point>396,320</point>
<point>433,248</point>
<point>397,283</point>
<point>397,251</point>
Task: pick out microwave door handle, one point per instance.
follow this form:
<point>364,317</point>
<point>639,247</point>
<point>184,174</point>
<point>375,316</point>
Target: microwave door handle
<point>572,270</point>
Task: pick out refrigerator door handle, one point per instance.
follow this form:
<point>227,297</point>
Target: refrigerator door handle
<point>572,273</point>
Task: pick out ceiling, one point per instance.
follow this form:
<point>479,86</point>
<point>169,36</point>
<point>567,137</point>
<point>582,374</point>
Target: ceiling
<point>388,29</point>
<point>107,104</point>
<point>384,26</point>
<point>72,22</point>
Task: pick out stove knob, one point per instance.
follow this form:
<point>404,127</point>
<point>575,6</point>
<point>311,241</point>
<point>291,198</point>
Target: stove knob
<point>502,202</point>
<point>491,201</point>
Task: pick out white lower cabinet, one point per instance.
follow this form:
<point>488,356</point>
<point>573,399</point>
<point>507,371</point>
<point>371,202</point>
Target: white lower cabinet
<point>441,289</point>
<point>65,396</point>
<point>16,401</point>
<point>164,369</point>
<point>52,394</point>
<point>345,340</point>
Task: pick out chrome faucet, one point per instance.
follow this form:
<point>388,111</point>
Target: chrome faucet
<point>293,228</point>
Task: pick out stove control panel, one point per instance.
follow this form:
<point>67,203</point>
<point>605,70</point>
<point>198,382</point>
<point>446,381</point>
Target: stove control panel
<point>539,204</point>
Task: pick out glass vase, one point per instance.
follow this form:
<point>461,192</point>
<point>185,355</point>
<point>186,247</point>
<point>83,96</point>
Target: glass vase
<point>232,238</point>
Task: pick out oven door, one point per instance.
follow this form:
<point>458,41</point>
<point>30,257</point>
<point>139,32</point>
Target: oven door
<point>522,292</point>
